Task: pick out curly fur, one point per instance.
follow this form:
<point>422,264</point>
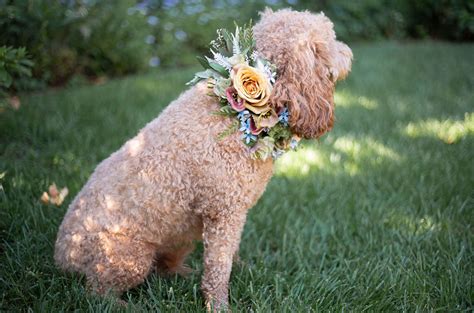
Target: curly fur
<point>174,183</point>
<point>309,61</point>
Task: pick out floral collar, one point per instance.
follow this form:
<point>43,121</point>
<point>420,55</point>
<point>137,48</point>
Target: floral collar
<point>243,80</point>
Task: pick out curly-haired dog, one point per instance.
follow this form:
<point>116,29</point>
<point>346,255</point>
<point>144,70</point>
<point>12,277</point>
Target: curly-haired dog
<point>175,183</point>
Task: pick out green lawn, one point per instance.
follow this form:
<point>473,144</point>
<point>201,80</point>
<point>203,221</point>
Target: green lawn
<point>377,216</point>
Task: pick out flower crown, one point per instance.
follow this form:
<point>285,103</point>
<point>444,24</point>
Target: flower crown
<point>243,81</point>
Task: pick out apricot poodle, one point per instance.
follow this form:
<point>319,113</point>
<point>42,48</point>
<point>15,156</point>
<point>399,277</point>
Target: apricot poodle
<point>175,183</point>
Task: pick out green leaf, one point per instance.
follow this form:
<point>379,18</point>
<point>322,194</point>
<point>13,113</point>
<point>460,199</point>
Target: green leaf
<point>246,38</point>
<point>205,74</point>
<point>224,51</point>
<point>24,70</point>
<point>194,81</point>
<point>5,79</point>
<point>229,131</point>
<point>228,40</point>
<point>219,69</point>
<point>203,61</point>
<point>225,111</point>
<point>209,73</point>
<point>279,132</point>
<point>27,62</point>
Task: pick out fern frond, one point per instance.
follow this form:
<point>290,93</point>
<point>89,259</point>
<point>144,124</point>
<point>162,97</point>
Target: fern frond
<point>229,131</point>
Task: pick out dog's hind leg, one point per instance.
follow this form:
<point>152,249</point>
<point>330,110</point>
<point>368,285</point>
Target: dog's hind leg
<point>119,264</point>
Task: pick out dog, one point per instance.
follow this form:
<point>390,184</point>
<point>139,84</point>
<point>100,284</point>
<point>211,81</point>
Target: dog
<point>173,184</point>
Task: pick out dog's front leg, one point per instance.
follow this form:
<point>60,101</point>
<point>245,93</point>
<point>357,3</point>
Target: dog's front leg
<point>221,235</point>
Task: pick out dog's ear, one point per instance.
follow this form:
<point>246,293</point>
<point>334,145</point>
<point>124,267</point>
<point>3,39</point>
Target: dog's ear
<point>341,60</point>
<point>304,85</point>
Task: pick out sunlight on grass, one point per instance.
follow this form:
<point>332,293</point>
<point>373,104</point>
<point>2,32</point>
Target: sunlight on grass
<point>449,131</point>
<point>358,148</point>
<point>299,163</point>
<point>410,225</point>
<point>346,100</point>
<point>346,154</point>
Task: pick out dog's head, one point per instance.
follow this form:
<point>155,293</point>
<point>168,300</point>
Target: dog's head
<point>309,60</point>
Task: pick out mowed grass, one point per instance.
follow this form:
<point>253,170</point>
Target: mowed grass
<point>376,216</point>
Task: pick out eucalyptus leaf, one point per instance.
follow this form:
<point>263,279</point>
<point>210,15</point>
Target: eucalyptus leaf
<point>228,41</point>
<point>203,61</point>
<point>194,81</point>
<point>219,69</point>
<point>205,74</point>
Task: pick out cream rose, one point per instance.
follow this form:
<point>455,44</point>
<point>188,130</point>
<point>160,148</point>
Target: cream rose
<point>252,87</point>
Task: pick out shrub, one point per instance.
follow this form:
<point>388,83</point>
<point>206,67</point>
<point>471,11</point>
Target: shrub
<point>111,41</point>
<point>442,19</point>
<point>363,20</point>
<point>67,38</point>
<point>15,65</point>
<point>374,19</point>
<point>76,37</point>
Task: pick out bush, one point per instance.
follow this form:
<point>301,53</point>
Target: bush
<point>362,20</point>
<point>111,41</point>
<point>15,66</point>
<point>441,19</point>
<point>67,37</point>
<point>375,19</point>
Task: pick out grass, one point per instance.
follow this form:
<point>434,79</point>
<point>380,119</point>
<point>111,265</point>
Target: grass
<point>377,216</point>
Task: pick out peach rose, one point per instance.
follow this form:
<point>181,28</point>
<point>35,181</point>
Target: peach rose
<point>252,87</point>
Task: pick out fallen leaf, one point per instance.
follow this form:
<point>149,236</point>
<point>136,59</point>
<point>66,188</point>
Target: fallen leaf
<point>61,196</point>
<point>54,196</point>
<point>64,192</point>
<point>45,198</point>
<point>53,191</point>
